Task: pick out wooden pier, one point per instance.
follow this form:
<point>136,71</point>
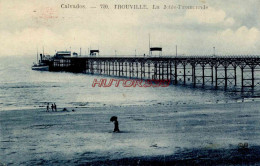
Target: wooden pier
<point>217,71</point>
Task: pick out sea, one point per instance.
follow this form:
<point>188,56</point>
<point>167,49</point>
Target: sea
<point>23,88</point>
<point>191,124</point>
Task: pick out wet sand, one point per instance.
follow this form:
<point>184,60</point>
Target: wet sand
<point>167,134</point>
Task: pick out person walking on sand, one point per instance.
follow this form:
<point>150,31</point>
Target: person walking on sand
<point>116,129</point>
<point>52,107</point>
<point>114,119</point>
<point>55,107</point>
<point>47,110</point>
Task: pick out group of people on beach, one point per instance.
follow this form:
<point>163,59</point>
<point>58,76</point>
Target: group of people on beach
<point>53,107</point>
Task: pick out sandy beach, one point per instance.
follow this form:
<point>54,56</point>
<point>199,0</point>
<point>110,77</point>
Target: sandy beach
<point>150,135</point>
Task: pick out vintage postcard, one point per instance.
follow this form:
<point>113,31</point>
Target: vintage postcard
<point>129,82</point>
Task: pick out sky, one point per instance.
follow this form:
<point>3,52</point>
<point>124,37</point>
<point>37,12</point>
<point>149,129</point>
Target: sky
<point>232,27</point>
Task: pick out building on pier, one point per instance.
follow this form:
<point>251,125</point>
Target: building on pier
<point>62,54</point>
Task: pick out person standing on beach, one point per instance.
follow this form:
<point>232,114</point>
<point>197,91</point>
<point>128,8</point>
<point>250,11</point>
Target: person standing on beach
<point>55,107</point>
<point>116,129</point>
<point>52,107</point>
<point>47,110</point>
<point>114,119</point>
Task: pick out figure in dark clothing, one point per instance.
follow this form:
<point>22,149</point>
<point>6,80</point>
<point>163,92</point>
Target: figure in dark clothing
<point>55,107</point>
<point>116,129</point>
<point>114,119</point>
<point>52,107</point>
<point>47,110</point>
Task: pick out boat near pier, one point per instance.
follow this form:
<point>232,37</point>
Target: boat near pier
<point>42,64</point>
<point>40,67</point>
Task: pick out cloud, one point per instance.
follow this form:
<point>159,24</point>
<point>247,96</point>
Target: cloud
<point>243,40</point>
<point>194,31</point>
<point>26,41</point>
<point>210,16</point>
<point>229,22</point>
